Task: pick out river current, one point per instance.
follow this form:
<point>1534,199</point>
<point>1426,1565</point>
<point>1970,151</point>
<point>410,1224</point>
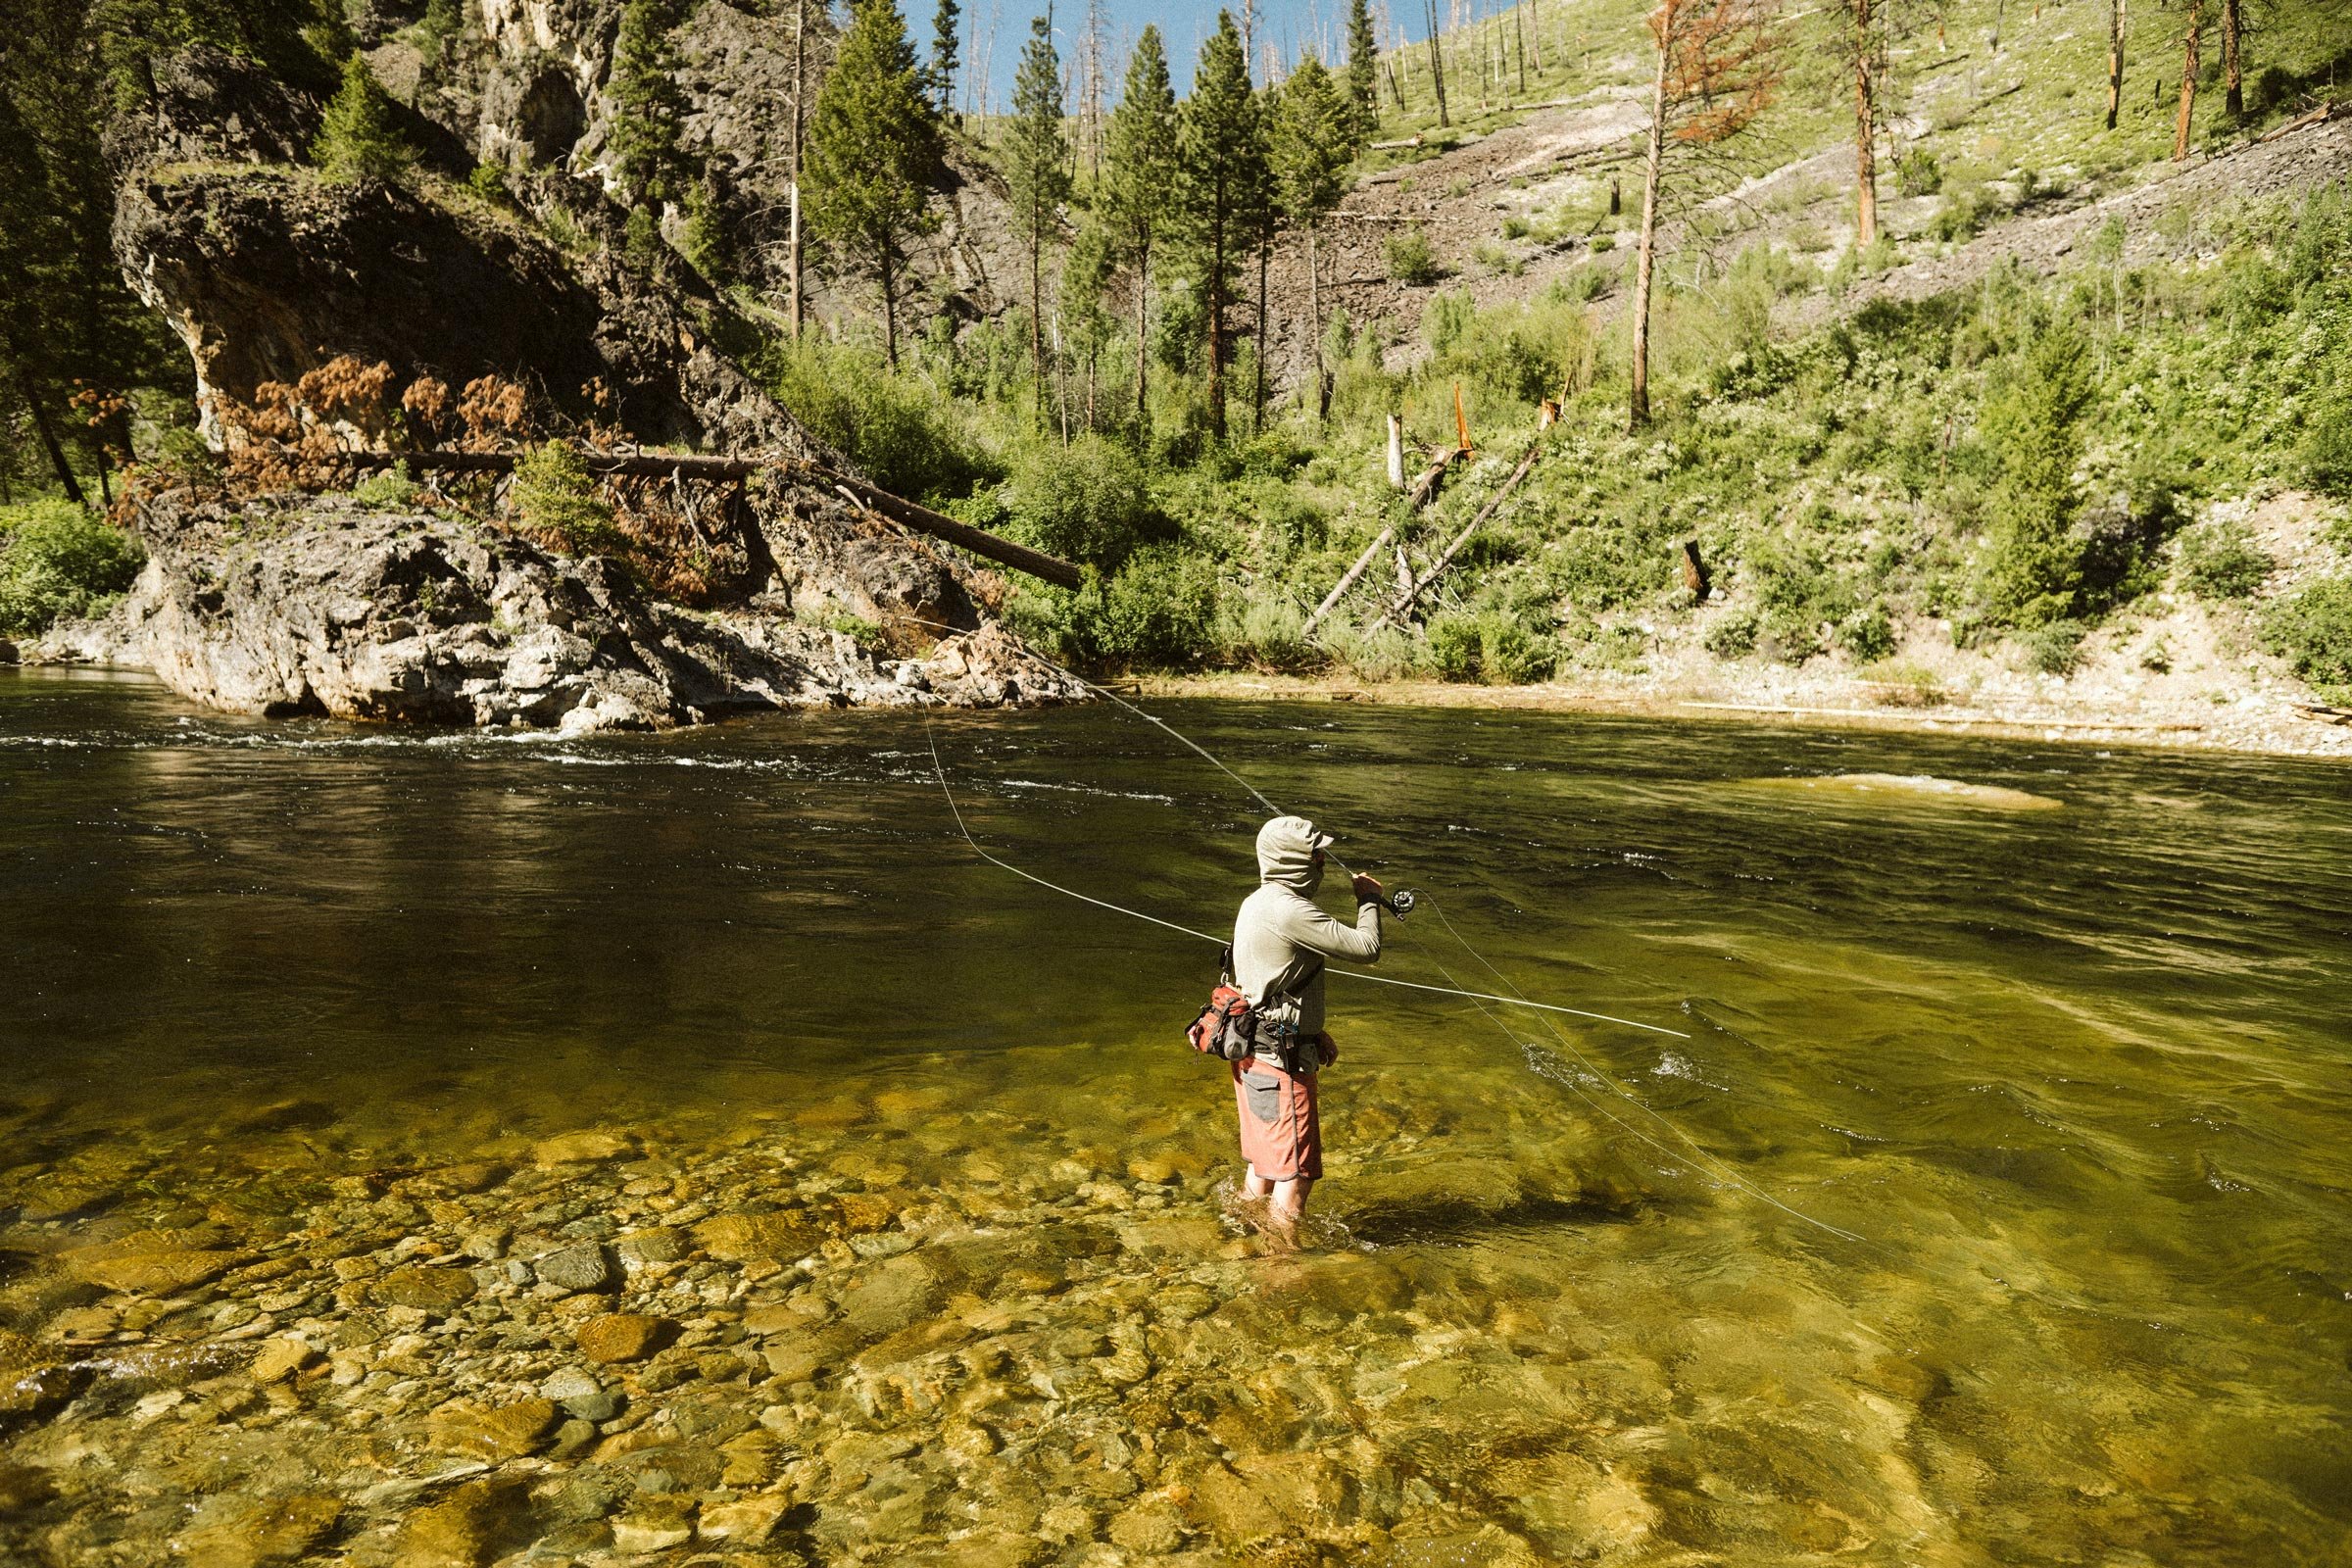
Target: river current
<point>1989,1202</point>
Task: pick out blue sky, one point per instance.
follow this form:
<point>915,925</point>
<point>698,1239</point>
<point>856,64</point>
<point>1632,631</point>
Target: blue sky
<point>1183,25</point>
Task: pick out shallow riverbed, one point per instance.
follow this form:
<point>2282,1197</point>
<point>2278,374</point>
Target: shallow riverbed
<point>422,1150</point>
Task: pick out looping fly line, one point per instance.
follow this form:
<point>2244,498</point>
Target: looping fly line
<point>1344,974</point>
<point>1699,1156</point>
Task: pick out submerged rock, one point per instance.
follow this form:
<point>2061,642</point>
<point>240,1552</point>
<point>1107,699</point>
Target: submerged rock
<point>615,1337</point>
<point>583,1267</point>
<point>427,1288</point>
<point>496,1432</point>
<point>236,1534</point>
<point>469,1527</point>
<point>1923,789</point>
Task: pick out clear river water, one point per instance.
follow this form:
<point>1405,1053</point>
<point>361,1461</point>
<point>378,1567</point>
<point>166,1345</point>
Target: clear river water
<point>2059,1036</point>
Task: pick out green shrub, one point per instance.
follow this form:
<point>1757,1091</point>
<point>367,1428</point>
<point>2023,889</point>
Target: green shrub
<point>388,490</point>
<point>1905,685</point>
<point>1387,653</point>
<point>1407,259</point>
<point>556,496</point>
<point>1733,634</point>
<point>489,182</point>
<point>1490,646</point>
<point>1918,174</point>
<point>1454,646</point>
<point>2220,559</point>
<point>357,139</point>
<point>1867,635</point>
<point>2313,631</point>
<point>1963,215</point>
<point>1269,633</point>
<point>897,427</point>
<point>1089,502</point>
<point>1799,591</point>
<point>1447,320</point>
<point>2055,647</point>
<point>57,562</point>
<point>641,240</point>
<point>2326,451</point>
<point>1158,612</point>
<point>860,630</point>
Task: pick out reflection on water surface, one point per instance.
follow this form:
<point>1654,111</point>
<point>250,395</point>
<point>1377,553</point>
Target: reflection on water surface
<point>308,1024</point>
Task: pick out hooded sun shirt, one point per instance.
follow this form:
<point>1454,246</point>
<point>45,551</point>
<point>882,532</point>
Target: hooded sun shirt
<point>1280,933</point>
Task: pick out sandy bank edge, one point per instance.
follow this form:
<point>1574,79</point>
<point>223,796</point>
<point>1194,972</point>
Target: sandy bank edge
<point>2267,733</point>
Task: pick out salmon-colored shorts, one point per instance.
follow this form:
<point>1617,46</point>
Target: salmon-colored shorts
<point>1282,1132</point>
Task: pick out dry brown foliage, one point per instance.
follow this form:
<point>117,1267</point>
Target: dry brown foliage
<point>426,404</point>
<point>1722,64</point>
<point>685,538</point>
<point>495,413</point>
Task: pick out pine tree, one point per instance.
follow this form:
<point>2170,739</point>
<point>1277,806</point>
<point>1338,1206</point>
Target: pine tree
<point>2033,572</point>
<point>1037,174</point>
<point>67,319</point>
<point>1220,187</point>
<point>1135,183</point>
<point>649,106</point>
<point>1085,303</point>
<point>873,151</point>
<point>942,74</point>
<point>30,251</point>
<point>357,139</point>
<point>1313,142</point>
<point>1363,73</point>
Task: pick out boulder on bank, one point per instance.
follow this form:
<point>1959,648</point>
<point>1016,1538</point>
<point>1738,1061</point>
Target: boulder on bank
<point>290,605</point>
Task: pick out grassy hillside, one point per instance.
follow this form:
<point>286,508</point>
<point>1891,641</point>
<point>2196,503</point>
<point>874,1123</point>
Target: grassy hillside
<point>1870,475</point>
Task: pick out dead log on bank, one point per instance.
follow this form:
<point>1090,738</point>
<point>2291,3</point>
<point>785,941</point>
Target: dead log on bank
<point>1424,489</point>
<point>1331,600</point>
<point>657,465</point>
<point>1411,594</point>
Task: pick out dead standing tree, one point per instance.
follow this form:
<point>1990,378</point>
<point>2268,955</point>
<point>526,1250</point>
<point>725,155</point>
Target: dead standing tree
<point>1718,65</point>
<point>2115,60</point>
<point>1869,58</point>
<point>2188,78</point>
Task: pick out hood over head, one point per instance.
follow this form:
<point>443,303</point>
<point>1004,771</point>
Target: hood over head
<point>1285,853</point>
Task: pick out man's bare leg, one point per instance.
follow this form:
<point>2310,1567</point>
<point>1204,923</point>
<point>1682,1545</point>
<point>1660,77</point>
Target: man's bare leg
<point>1254,1186</point>
<point>1288,1206</point>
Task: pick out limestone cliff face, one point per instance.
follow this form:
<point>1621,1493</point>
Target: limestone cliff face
<point>296,605</point>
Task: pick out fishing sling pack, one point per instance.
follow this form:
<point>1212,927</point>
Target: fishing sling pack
<point>1230,1029</point>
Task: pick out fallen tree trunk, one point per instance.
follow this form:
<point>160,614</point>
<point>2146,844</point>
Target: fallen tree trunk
<point>1420,585</point>
<point>656,465</point>
<point>1425,488</point>
<point>2318,116</point>
<point>1331,600</point>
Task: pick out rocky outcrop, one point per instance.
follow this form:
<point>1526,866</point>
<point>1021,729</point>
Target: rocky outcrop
<point>267,273</point>
<point>297,605</point>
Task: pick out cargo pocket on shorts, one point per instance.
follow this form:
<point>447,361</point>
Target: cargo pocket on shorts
<point>1264,1096</point>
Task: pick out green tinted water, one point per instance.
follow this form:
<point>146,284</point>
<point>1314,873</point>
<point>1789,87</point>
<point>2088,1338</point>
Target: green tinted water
<point>2076,1075</point>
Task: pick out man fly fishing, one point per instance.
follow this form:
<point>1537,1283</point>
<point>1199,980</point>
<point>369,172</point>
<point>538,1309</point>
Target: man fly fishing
<point>1281,941</point>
